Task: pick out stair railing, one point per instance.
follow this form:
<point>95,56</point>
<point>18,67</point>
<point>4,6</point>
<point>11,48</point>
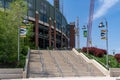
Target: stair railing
<point>56,63</point>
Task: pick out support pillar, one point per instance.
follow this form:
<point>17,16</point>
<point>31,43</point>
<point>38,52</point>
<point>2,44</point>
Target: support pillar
<point>50,32</point>
<point>54,34</point>
<point>72,35</point>
<point>61,37</point>
<point>66,43</point>
<point>37,29</point>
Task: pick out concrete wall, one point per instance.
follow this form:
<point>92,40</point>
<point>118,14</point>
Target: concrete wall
<point>115,72</point>
<point>11,73</point>
<point>25,72</point>
<point>95,63</point>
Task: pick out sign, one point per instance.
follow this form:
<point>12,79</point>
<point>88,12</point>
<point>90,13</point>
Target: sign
<point>103,38</point>
<point>85,33</point>
<point>103,34</point>
<point>103,31</point>
<point>23,31</point>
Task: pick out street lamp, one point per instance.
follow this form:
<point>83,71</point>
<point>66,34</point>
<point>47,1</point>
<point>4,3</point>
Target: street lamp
<point>85,33</point>
<point>104,35</point>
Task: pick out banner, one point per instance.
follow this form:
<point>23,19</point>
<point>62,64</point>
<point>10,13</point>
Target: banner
<point>85,33</point>
<point>103,34</point>
<point>23,31</point>
<point>103,31</point>
<point>103,38</point>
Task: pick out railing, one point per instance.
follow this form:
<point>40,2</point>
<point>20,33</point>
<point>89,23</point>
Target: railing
<point>86,64</point>
<point>76,57</point>
<point>92,57</point>
<point>42,62</point>
<point>67,60</point>
<point>57,65</point>
<point>90,68</point>
<point>25,71</point>
<point>94,62</point>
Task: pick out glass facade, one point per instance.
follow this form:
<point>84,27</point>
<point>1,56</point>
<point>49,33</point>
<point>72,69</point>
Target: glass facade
<point>46,11</point>
<point>5,3</point>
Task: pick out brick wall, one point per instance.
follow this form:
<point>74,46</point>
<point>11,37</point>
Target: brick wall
<point>72,36</point>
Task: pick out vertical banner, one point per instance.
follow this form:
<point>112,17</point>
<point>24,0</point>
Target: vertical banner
<point>23,31</point>
<point>85,33</point>
<point>103,34</point>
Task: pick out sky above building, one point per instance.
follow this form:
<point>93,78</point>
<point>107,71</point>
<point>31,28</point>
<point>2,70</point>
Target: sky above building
<point>103,9</point>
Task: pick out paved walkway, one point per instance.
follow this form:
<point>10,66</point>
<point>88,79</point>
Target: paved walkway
<point>70,78</point>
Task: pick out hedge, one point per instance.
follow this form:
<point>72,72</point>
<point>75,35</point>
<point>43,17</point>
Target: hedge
<point>117,57</point>
<point>94,51</point>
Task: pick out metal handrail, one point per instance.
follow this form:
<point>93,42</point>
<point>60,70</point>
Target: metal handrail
<point>97,60</point>
<point>55,61</point>
<point>42,61</point>
<point>76,57</point>
<point>66,59</point>
<point>87,66</point>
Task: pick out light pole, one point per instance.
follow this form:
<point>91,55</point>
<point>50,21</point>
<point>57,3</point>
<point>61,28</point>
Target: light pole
<point>104,35</point>
<point>85,33</point>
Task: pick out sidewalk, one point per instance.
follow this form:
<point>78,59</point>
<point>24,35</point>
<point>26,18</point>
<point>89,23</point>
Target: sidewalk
<point>71,78</point>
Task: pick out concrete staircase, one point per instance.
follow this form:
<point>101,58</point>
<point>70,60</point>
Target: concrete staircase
<point>11,73</point>
<point>59,63</point>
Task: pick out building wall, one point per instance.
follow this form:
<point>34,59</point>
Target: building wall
<point>48,14</point>
<point>72,35</point>
<point>5,3</point>
<point>56,4</point>
<point>46,11</point>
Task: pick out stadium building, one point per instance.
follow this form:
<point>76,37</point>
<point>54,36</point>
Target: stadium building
<point>50,25</point>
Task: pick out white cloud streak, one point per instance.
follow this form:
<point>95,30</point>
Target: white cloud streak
<point>105,6</point>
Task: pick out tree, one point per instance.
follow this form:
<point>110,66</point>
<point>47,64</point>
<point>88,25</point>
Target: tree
<point>10,20</point>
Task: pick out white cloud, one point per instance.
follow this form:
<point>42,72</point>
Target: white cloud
<point>119,49</point>
<point>105,6</point>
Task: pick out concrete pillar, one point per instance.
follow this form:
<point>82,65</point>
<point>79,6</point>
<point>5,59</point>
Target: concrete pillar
<point>54,34</point>
<point>61,38</point>
<point>36,29</point>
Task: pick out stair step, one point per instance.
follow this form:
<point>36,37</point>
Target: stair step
<point>68,62</point>
<point>8,71</point>
<point>10,76</point>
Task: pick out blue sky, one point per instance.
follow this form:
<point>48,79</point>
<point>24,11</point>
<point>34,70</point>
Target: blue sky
<point>109,9</point>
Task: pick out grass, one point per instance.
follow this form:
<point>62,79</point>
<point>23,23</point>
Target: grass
<point>102,60</point>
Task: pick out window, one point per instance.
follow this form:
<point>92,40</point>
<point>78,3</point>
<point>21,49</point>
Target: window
<point>31,13</point>
<point>31,4</point>
<point>0,3</point>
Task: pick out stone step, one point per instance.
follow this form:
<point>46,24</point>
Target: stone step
<point>10,71</point>
<point>69,63</point>
<point>10,76</point>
